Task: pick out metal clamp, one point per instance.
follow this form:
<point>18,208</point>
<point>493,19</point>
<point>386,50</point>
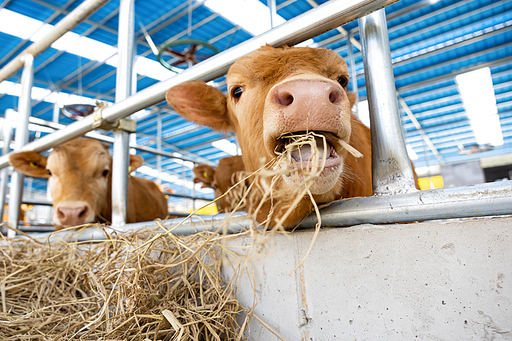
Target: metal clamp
<point>125,124</point>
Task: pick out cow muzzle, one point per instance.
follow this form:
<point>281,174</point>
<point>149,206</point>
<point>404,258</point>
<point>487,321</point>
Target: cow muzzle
<point>73,213</point>
<point>301,106</point>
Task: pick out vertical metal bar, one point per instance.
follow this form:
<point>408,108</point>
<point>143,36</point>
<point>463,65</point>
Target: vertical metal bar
<point>4,173</point>
<point>353,75</point>
<point>21,139</point>
<point>124,85</point>
<point>56,113</point>
<point>273,12</point>
<point>392,171</point>
<point>159,146</point>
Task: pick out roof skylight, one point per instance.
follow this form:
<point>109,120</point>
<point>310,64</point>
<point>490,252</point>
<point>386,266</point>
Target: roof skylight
<point>226,146</point>
<point>23,27</point>
<point>251,15</point>
<point>477,92</point>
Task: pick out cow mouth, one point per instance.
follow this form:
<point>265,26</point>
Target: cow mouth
<point>300,147</point>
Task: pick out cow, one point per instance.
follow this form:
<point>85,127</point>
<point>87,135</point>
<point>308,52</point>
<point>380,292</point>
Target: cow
<point>221,179</point>
<point>277,91</point>
<point>204,174</point>
<point>80,182</point>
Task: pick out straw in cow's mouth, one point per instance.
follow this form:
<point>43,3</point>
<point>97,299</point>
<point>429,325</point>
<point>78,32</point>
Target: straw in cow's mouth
<point>308,151</point>
<point>302,148</point>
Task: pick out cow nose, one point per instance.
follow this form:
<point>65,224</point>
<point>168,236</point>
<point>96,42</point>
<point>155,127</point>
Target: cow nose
<point>72,216</point>
<point>301,92</point>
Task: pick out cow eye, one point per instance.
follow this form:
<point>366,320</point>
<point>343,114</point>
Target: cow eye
<point>237,92</point>
<point>343,81</point>
<point>49,172</point>
<point>105,172</point>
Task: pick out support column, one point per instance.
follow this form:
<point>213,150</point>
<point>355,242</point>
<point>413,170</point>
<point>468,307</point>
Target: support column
<point>21,139</point>
<point>6,134</point>
<point>392,171</point>
<point>353,75</point>
<point>124,79</point>
<point>273,12</point>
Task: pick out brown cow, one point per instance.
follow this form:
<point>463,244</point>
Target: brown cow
<point>204,173</point>
<point>276,91</point>
<point>220,179</point>
<point>80,182</point>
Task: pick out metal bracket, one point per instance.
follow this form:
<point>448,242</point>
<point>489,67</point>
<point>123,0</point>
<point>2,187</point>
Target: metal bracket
<point>125,124</point>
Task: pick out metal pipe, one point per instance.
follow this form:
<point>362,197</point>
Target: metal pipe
<point>391,168</point>
<point>4,173</point>
<point>487,199</point>
<point>353,73</point>
<point>68,23</point>
<point>187,196</point>
<point>120,165</point>
<point>314,22</point>
<point>159,147</point>
<point>454,202</point>
<point>124,86</point>
<point>21,139</point>
<point>271,4</point>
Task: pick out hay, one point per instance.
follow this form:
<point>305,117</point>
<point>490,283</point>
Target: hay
<point>140,286</point>
<point>114,290</point>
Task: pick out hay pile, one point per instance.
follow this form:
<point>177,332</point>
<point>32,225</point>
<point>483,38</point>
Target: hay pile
<point>117,290</point>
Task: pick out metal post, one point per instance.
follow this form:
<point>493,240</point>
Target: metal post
<point>392,171</point>
<point>21,139</point>
<point>4,173</point>
<point>159,146</point>
<point>273,12</point>
<point>56,113</point>
<point>353,74</point>
<point>121,156</point>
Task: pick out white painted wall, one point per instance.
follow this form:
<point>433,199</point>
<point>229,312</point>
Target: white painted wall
<point>430,281</point>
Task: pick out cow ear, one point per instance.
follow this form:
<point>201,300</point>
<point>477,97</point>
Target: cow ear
<point>200,103</point>
<point>352,98</point>
<point>30,163</point>
<point>135,162</point>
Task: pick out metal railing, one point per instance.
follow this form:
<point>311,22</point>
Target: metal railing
<point>395,198</point>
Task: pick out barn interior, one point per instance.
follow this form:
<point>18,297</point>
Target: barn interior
<point>433,45</point>
<point>445,277</point>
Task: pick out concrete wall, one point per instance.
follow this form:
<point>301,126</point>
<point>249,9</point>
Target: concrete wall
<point>432,281</point>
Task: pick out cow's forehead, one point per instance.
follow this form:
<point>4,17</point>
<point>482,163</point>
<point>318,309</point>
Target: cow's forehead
<point>80,153</point>
<point>271,65</point>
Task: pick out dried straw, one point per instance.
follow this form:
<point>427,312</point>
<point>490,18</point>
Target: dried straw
<point>113,290</point>
<point>140,286</point>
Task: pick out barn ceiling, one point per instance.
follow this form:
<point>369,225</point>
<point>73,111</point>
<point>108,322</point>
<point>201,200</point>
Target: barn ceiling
<point>431,42</point>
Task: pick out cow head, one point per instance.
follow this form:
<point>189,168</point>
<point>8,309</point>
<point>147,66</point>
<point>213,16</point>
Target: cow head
<point>79,179</point>
<point>274,92</point>
<point>204,173</point>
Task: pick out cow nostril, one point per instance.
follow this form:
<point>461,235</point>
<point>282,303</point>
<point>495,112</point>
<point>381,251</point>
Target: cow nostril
<point>60,214</point>
<point>284,98</point>
<point>83,212</point>
<point>335,96</point>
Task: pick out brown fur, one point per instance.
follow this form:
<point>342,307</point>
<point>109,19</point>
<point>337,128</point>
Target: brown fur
<point>257,73</point>
<point>79,164</point>
<point>204,173</point>
<point>222,179</point>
